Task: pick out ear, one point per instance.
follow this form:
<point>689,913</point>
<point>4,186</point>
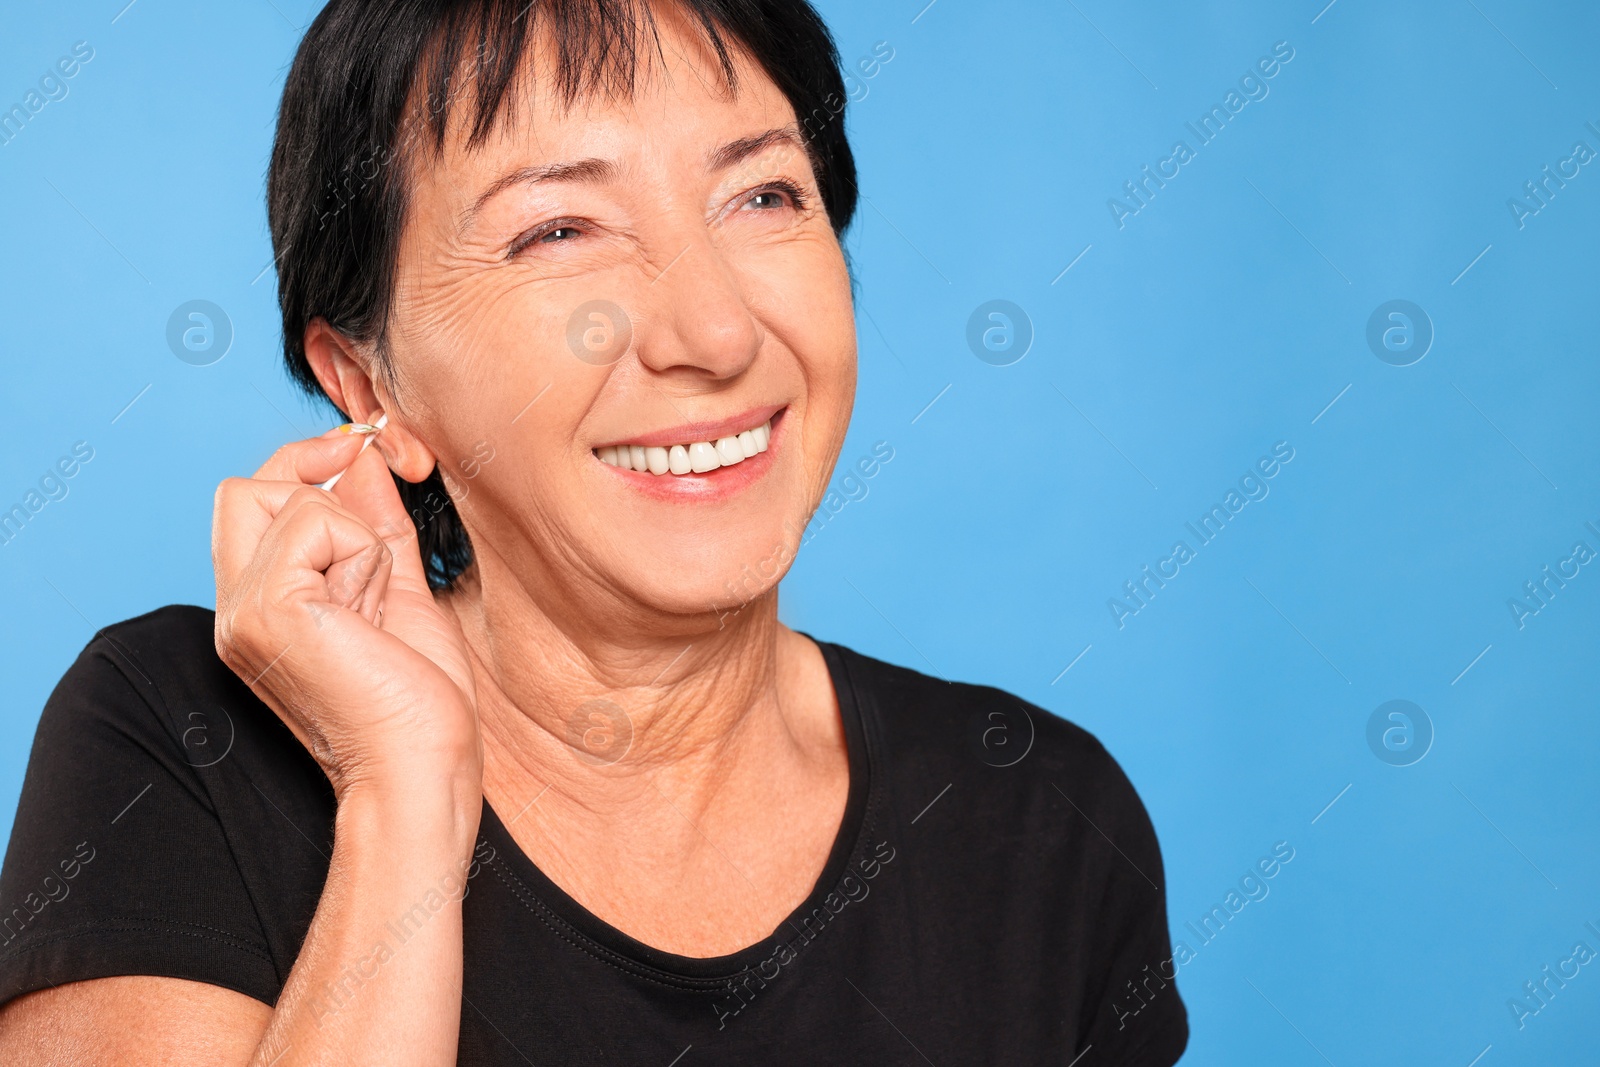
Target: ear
<point>345,375</point>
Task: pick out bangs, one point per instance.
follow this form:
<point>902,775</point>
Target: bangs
<point>480,55</point>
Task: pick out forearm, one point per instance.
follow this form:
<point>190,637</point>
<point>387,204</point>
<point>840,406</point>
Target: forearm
<point>378,980</point>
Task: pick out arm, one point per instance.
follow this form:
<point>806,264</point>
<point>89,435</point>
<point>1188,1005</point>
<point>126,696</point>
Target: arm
<point>379,977</point>
<point>383,702</point>
<point>377,982</point>
<point>134,1020</point>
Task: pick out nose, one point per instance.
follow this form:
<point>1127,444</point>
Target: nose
<point>702,326</point>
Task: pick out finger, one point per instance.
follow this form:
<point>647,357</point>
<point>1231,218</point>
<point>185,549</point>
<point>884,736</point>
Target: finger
<point>313,460</point>
<point>368,491</point>
<point>359,583</point>
<point>311,536</point>
<point>283,589</point>
<point>245,508</point>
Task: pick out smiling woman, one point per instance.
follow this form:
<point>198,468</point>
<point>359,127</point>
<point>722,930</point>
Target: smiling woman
<point>507,778</point>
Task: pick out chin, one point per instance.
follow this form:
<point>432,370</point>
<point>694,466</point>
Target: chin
<point>720,579</point>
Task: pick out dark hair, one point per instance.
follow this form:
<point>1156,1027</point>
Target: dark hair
<point>336,191</point>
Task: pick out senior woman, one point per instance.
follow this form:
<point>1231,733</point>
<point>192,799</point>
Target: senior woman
<point>494,750</point>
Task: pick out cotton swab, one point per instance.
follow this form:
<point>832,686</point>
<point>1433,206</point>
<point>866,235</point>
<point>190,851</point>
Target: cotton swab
<point>368,433</point>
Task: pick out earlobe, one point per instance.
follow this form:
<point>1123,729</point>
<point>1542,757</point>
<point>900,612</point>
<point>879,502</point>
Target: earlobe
<point>405,453</point>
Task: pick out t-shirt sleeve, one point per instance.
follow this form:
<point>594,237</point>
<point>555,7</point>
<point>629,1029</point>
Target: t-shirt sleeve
<point>118,864</point>
<point>1137,1017</point>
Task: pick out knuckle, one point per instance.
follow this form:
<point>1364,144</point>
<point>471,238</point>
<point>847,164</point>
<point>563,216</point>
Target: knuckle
<point>227,489</point>
<point>223,638</point>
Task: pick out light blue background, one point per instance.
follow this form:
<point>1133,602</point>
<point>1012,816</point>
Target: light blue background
<point>1223,318</point>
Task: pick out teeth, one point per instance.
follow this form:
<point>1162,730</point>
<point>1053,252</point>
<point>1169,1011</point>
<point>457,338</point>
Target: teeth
<point>697,457</point>
<point>703,457</point>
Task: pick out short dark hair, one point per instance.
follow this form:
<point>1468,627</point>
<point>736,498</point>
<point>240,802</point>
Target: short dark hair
<point>336,191</point>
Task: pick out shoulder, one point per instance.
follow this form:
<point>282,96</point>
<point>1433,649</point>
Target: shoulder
<point>969,727</point>
<point>1006,774</point>
<point>153,765</point>
<point>1009,811</point>
<point>189,624</point>
<point>150,696</point>
<point>154,679</point>
<point>174,641</point>
<point>155,682</point>
<point>120,681</point>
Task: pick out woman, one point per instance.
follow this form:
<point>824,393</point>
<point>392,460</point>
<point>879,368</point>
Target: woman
<point>494,750</point>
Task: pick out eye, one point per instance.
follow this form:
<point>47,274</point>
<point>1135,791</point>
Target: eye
<point>557,231</point>
<point>776,196</point>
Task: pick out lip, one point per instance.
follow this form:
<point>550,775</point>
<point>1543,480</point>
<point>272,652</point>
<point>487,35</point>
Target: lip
<point>712,486</point>
<point>688,432</point>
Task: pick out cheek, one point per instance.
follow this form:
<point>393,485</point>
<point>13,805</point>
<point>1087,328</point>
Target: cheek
<point>800,290</point>
<point>818,323</point>
<point>488,353</point>
<point>484,373</point>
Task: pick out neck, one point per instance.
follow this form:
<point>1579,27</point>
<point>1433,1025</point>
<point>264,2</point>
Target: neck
<point>608,710</point>
<point>683,778</point>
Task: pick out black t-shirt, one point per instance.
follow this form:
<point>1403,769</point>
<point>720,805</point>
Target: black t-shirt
<point>994,895</point>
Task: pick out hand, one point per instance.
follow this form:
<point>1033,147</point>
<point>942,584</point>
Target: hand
<point>324,610</point>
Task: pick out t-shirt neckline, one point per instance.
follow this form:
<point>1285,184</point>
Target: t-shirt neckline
<point>615,943</point>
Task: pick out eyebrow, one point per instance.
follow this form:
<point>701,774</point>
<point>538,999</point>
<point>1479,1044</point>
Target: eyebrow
<point>590,171</point>
<point>594,171</point>
<point>745,147</point>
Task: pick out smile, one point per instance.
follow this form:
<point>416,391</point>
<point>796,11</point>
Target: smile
<point>690,457</point>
